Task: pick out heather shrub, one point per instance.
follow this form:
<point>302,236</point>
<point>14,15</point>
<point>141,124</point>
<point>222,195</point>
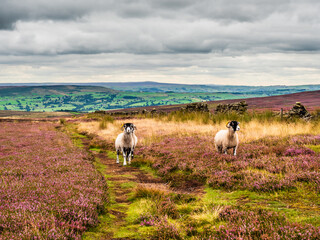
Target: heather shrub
<point>167,207</point>
<point>147,219</point>
<point>294,151</point>
<point>166,230</point>
<point>261,224</point>
<point>49,188</point>
<point>266,165</point>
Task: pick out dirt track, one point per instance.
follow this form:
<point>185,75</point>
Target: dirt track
<point>119,175</point>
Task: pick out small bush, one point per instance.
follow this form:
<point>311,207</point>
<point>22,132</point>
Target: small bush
<point>104,121</point>
<point>151,191</point>
<point>62,121</point>
<point>166,230</point>
<point>147,219</point>
<point>167,207</point>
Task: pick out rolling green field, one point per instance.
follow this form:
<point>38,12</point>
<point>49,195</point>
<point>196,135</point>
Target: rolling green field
<point>107,96</point>
<point>196,88</point>
<point>91,98</point>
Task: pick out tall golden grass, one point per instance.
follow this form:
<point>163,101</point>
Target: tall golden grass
<point>153,130</point>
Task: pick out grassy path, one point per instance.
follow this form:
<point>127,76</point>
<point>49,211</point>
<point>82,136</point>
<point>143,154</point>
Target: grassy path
<point>121,182</point>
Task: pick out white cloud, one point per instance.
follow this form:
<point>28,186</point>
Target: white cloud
<point>234,42</point>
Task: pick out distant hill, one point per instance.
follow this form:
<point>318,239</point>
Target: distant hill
<point>82,98</point>
<point>179,88</point>
<point>310,99</point>
<point>55,98</point>
<point>49,90</point>
<point>157,87</point>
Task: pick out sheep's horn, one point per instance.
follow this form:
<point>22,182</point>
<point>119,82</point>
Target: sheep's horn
<point>134,126</point>
<point>122,127</point>
<point>228,124</point>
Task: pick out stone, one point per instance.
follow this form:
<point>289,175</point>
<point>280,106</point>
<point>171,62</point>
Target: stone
<point>299,111</point>
<point>196,107</point>
<point>239,107</point>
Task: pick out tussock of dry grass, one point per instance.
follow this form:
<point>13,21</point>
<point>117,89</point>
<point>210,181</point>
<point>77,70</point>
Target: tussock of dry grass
<point>255,130</point>
<point>151,191</point>
<point>149,130</point>
<point>152,130</point>
<point>207,214</point>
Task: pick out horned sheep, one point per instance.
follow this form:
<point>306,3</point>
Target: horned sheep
<point>126,142</point>
<point>227,139</point>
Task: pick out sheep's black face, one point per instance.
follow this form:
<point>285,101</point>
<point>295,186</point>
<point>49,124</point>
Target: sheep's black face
<point>129,127</point>
<point>234,125</point>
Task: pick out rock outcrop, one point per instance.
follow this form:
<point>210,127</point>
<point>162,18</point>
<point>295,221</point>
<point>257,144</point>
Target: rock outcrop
<point>196,107</point>
<point>299,111</point>
<point>239,107</point>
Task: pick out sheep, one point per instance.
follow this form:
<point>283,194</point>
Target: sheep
<point>126,143</point>
<point>226,139</point>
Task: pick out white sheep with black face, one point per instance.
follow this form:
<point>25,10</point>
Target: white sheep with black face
<point>126,143</point>
<point>226,139</point>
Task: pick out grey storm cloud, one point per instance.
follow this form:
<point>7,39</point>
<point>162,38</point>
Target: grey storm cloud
<point>12,11</point>
<point>147,27</point>
<point>206,37</point>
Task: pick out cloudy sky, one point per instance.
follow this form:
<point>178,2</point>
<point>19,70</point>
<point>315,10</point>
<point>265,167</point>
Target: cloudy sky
<point>246,42</point>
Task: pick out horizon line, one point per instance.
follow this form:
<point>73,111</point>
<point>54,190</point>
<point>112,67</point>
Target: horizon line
<point>123,82</point>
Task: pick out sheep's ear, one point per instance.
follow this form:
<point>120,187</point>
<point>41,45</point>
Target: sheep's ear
<point>228,124</point>
<point>134,126</point>
<point>238,123</point>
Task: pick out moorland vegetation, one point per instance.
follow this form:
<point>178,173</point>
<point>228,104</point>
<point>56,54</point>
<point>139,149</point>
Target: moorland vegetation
<point>49,188</point>
<point>56,181</point>
<point>270,190</point>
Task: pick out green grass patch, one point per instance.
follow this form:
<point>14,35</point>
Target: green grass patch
<point>138,208</point>
<point>100,167</point>
<point>148,169</point>
<point>128,185</point>
<point>315,148</point>
<point>218,197</point>
<point>300,205</point>
<point>104,228</point>
<point>126,232</point>
<point>95,149</point>
<point>112,154</point>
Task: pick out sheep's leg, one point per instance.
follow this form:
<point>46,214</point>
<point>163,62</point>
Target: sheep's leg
<point>217,148</point>
<point>124,157</point>
<point>235,151</point>
<point>118,152</point>
<point>129,156</point>
<point>132,153</point>
<point>225,150</point>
